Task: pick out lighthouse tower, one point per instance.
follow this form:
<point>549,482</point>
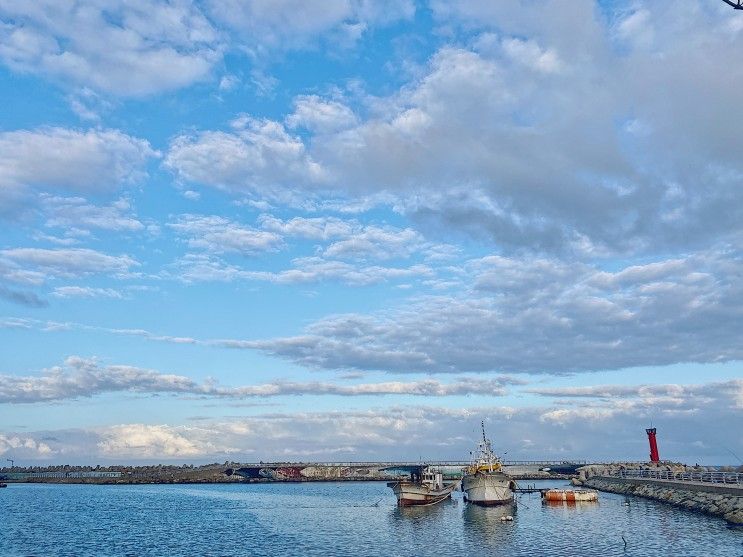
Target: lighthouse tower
<point>653,445</point>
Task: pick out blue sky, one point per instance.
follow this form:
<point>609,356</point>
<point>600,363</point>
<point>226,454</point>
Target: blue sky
<point>251,230</point>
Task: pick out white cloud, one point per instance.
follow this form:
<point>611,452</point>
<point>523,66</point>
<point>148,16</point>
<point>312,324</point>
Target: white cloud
<point>497,134</point>
<point>124,48</point>
<point>294,23</point>
<point>542,316</point>
<point>375,242</point>
<point>317,228</point>
<point>87,377</point>
<point>192,195</point>
<point>59,159</point>
<point>354,240</point>
<point>155,441</point>
<point>40,263</point>
<point>411,432</point>
<point>319,115</point>
<point>85,292</point>
<point>259,156</point>
<point>219,235</point>
<point>199,268</point>
<point>508,314</point>
<point>28,446</point>
<point>530,54</point>
<point>651,394</point>
<point>228,82</point>
<point>74,213</point>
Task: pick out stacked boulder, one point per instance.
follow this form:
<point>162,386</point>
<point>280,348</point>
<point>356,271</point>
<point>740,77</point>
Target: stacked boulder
<point>721,500</point>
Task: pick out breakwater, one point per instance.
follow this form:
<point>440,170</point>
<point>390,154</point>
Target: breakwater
<point>708,494</point>
<point>156,474</point>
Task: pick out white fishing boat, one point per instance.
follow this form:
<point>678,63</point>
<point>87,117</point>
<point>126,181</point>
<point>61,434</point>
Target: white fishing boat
<point>425,487</point>
<point>484,482</point>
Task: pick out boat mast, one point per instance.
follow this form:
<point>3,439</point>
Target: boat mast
<point>487,450</point>
<point>486,442</point>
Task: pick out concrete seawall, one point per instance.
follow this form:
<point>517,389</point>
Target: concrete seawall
<point>719,500</point>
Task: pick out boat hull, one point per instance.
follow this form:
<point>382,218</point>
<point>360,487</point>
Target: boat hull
<point>487,489</point>
<point>412,494</point>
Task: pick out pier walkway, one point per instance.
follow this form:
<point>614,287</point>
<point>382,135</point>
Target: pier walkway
<point>715,493</point>
<point>700,478</point>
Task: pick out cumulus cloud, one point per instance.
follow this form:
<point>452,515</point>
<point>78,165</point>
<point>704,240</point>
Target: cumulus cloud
<point>497,134</point>
<point>27,446</point>
<point>85,292</point>
<point>59,159</point>
<point>156,441</point>
<point>320,115</point>
<point>35,264</point>
<point>258,156</point>
<point>376,242</point>
<point>294,23</point>
<point>348,255</point>
<point>201,268</point>
<point>124,48</point>
<point>542,316</point>
<point>354,240</point>
<point>696,429</point>
<point>652,394</point>
<point>509,314</point>
<point>74,213</point>
<point>219,235</point>
<point>86,377</point>
<point>315,228</point>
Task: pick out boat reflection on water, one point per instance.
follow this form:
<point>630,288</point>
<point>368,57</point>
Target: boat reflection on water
<point>490,525</point>
<point>571,504</point>
<point>425,511</point>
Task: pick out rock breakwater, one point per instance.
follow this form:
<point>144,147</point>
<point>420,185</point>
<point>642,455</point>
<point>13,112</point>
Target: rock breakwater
<point>725,501</point>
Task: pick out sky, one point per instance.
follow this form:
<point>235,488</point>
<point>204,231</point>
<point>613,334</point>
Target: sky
<point>338,230</point>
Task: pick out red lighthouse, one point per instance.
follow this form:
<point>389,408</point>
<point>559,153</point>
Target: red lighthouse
<point>653,445</point>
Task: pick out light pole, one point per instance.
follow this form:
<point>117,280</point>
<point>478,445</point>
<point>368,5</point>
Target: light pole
<point>11,462</point>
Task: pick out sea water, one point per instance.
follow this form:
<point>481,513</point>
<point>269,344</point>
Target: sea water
<point>343,518</point>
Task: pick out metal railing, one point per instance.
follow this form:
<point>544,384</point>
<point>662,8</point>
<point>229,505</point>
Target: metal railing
<point>728,478</point>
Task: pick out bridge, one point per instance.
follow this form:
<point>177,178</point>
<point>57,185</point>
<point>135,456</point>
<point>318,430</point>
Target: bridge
<point>367,470</point>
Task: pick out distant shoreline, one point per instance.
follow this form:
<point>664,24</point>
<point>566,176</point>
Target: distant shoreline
<point>169,474</point>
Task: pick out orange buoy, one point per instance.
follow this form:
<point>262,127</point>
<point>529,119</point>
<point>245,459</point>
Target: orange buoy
<point>570,495</point>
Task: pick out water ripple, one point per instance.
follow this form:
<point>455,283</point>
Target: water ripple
<point>329,519</point>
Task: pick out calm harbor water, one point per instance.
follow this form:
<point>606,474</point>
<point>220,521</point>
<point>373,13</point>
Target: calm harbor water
<point>358,519</point>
